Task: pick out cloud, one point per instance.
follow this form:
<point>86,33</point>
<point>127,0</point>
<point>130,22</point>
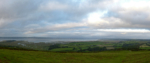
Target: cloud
<point>130,14</point>
<point>75,18</point>
<point>126,30</point>
<point>55,27</point>
<point>51,6</point>
<point>15,10</point>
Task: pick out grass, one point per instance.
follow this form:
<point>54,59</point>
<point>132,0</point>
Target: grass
<point>146,48</point>
<point>19,56</point>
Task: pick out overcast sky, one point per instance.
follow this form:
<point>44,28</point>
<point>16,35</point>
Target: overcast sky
<point>75,18</point>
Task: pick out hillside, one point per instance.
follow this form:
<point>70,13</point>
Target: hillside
<point>21,56</point>
<point>84,46</point>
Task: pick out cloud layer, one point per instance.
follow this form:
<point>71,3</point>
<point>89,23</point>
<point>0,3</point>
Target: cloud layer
<point>75,18</point>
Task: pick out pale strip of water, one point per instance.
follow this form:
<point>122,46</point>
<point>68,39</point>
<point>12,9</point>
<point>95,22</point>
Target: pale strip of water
<point>32,39</point>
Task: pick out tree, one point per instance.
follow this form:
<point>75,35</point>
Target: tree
<point>134,46</point>
<point>97,49</point>
<point>74,48</point>
<point>54,46</point>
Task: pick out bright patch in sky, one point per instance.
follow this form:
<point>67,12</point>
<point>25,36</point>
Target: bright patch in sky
<point>95,18</point>
<point>136,4</point>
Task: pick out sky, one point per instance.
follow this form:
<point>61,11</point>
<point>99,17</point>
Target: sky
<point>124,19</point>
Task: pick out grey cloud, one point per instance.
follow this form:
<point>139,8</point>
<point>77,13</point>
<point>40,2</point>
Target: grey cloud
<point>74,11</point>
<point>18,14</point>
<point>29,18</point>
<point>11,11</point>
<point>56,27</point>
<point>18,8</point>
<point>132,18</point>
<point>96,35</point>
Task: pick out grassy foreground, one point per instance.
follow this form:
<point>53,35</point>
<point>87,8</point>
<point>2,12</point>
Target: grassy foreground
<point>19,56</point>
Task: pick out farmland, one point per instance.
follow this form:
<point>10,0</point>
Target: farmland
<point>83,46</point>
<point>129,51</point>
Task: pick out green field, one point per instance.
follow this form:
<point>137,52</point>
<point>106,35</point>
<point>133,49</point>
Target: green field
<point>84,46</point>
<point>20,56</point>
<point>130,51</point>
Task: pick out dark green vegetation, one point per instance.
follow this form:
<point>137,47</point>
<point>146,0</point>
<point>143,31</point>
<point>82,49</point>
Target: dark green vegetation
<point>21,56</point>
<point>96,46</point>
<point>127,51</point>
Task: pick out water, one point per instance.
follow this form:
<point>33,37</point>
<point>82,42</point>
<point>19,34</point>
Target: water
<point>42,39</point>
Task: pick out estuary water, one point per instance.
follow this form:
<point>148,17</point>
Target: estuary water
<point>42,39</point>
